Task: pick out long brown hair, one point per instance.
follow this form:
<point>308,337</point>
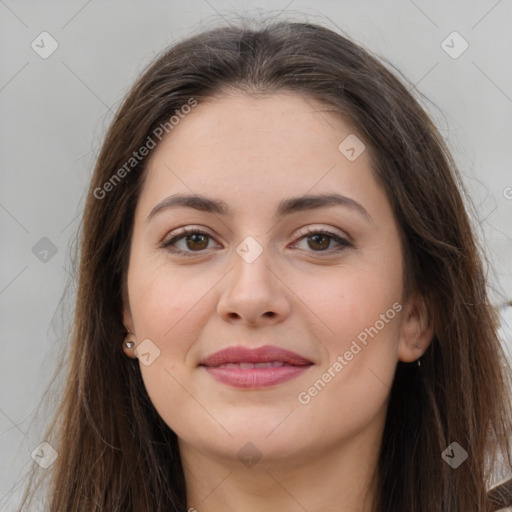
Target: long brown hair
<point>116,453</point>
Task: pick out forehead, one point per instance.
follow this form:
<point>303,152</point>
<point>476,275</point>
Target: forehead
<point>243,122</point>
<point>252,150</point>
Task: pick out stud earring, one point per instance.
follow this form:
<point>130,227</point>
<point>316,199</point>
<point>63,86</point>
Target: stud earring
<point>128,343</point>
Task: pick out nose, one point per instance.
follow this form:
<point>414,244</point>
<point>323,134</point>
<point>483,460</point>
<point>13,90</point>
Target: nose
<point>254,293</point>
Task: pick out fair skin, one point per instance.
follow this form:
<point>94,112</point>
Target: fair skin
<point>299,294</point>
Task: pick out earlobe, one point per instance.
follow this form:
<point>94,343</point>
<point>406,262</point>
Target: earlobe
<point>130,341</point>
<point>129,345</point>
<point>416,330</point>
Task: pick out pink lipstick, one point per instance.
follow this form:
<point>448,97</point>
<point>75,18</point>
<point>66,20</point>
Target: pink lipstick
<point>243,367</point>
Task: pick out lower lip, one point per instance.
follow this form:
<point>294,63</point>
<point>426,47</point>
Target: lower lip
<point>252,378</point>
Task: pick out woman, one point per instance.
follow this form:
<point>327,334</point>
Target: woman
<point>281,304</point>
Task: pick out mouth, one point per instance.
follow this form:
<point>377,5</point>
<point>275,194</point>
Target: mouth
<point>246,366</point>
<point>266,366</point>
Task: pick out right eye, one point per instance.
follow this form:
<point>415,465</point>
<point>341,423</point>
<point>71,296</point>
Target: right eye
<point>195,241</point>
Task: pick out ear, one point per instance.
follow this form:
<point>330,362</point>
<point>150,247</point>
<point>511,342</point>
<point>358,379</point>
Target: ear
<point>128,323</point>
<point>416,331</point>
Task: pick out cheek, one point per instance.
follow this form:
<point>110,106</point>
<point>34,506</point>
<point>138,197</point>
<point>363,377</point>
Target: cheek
<point>352,387</point>
<point>361,308</point>
<point>355,300</point>
<point>163,299</point>
<point>170,308</point>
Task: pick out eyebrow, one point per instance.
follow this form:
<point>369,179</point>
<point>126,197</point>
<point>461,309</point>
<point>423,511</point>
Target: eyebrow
<point>285,207</point>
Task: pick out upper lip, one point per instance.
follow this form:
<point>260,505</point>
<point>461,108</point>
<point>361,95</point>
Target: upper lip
<point>268,353</point>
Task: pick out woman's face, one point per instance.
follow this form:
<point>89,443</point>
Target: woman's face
<point>277,267</point>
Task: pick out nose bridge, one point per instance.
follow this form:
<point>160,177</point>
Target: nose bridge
<point>252,266</point>
<point>253,291</point>
<point>250,250</point>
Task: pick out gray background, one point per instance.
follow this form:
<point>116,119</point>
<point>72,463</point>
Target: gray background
<point>54,113</point>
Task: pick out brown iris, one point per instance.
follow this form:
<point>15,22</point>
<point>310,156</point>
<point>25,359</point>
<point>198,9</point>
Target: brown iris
<point>325,238</point>
<point>197,241</point>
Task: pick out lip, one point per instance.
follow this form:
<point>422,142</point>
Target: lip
<point>261,367</point>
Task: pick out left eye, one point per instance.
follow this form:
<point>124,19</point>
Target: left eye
<point>196,241</point>
<point>320,241</point>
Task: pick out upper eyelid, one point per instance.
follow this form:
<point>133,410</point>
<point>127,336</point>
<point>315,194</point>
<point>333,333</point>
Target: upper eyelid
<point>308,228</point>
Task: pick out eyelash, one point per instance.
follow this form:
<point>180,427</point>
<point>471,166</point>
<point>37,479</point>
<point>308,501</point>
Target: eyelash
<point>344,243</point>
